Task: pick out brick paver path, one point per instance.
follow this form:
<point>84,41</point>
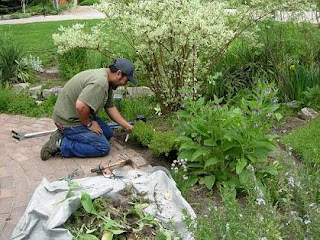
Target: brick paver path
<point>21,168</point>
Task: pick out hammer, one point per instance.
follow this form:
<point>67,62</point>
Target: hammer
<point>115,165</point>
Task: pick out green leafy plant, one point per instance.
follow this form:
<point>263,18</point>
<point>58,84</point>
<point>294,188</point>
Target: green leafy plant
<point>72,62</point>
<point>101,218</point>
<point>220,141</point>
<point>312,97</point>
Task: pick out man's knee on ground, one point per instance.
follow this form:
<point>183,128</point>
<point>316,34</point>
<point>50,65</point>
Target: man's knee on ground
<point>105,149</point>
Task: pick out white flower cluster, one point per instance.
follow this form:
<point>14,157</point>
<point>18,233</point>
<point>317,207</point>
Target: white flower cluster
<point>180,163</point>
<point>75,37</point>
<point>291,181</point>
<point>177,42</point>
<point>260,196</point>
<point>33,62</point>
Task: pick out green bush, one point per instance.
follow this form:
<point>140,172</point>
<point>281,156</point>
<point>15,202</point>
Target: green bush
<point>143,133</point>
<point>72,63</point>
<point>163,142</point>
<point>20,15</point>
<point>157,141</point>
<point>312,97</point>
<point>220,141</point>
<point>89,2</point>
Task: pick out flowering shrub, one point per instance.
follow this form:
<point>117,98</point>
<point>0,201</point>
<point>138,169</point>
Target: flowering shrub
<point>177,42</point>
<point>220,141</point>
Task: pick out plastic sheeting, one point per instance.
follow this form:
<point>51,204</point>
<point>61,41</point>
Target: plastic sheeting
<point>49,208</point>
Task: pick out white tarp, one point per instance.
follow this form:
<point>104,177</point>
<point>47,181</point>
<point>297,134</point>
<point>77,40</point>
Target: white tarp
<point>49,208</point>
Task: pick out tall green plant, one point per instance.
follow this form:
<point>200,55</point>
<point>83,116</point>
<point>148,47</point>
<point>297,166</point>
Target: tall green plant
<point>300,78</point>
<point>10,55</point>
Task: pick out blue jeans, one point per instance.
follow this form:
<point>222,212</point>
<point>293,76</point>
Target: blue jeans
<point>81,142</point>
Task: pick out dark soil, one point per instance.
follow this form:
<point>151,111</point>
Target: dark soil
<point>144,151</point>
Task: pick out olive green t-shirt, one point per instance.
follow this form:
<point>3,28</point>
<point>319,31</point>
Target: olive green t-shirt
<point>91,87</point>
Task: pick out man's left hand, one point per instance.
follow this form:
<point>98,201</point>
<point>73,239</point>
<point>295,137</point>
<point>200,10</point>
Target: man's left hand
<point>129,128</point>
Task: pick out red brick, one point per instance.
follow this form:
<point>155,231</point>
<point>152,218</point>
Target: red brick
<point>4,172</point>
<point>7,230</point>
<point>6,205</point>
<point>21,199</point>
<point>6,193</point>
<point>19,157</point>
<point>3,220</point>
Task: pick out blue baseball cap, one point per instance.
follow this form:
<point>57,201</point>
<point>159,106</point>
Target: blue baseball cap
<point>126,67</point>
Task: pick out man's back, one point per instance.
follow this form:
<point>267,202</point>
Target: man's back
<point>91,87</point>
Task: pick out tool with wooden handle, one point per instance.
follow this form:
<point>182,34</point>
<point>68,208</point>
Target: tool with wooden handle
<point>115,165</point>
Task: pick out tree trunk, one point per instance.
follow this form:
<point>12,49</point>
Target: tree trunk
<point>75,3</point>
<point>23,2</point>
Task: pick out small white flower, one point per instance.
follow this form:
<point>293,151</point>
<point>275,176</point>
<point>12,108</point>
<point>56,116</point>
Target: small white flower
<point>294,212</point>
<point>291,181</point>
<point>240,215</point>
<point>307,221</point>
<point>263,238</point>
<point>227,227</point>
<point>260,201</point>
<point>185,177</point>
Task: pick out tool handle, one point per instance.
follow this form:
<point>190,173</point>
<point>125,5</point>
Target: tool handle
<point>93,170</point>
<point>117,124</point>
<point>118,164</point>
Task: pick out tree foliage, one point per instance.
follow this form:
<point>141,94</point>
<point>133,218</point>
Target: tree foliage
<point>177,42</point>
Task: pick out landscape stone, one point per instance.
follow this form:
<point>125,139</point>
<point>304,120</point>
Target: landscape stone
<point>6,17</point>
<point>34,91</point>
<point>52,70</point>
<point>46,93</point>
<point>307,113</point>
<point>20,87</point>
<point>139,91</point>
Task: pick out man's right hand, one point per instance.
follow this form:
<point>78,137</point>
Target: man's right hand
<point>95,128</point>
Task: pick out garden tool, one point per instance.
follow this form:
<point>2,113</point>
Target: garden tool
<point>20,136</point>
<point>115,165</point>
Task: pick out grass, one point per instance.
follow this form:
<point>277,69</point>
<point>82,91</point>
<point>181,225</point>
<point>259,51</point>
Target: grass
<point>21,103</point>
<point>306,141</point>
<point>36,38</point>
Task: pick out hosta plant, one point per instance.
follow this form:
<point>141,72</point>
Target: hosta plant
<point>219,141</point>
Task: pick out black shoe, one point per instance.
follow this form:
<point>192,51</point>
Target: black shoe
<point>52,147</point>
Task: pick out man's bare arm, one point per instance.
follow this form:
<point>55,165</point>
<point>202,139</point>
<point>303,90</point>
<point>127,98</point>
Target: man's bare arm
<point>116,116</point>
<point>84,116</point>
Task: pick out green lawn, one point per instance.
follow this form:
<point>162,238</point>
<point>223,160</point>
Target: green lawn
<point>306,141</point>
<point>36,38</point>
